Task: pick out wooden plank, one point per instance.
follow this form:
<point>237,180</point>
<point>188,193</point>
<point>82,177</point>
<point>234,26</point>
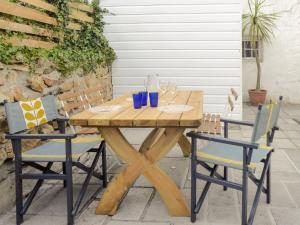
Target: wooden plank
<point>149,117</point>
<point>196,96</point>
<point>218,124</point>
<point>173,119</point>
<point>126,118</point>
<point>74,26</point>
<point>81,119</point>
<point>75,13</point>
<point>8,25</point>
<point>212,124</point>
<point>30,43</point>
<point>24,12</point>
<point>193,118</point>
<point>78,15</point>
<point>41,4</point>
<point>104,119</point>
<point>81,6</point>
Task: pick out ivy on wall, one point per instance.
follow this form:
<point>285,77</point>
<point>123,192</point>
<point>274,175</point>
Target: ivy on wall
<point>87,48</point>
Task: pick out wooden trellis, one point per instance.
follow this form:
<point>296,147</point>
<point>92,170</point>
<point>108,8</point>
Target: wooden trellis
<point>78,12</point>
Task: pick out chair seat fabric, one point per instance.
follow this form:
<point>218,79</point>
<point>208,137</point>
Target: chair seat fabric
<point>231,156</point>
<point>54,150</point>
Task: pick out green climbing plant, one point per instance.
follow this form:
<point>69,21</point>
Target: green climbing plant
<point>86,48</point>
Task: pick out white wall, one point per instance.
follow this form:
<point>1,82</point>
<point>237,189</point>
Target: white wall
<point>196,43</point>
<point>281,63</point>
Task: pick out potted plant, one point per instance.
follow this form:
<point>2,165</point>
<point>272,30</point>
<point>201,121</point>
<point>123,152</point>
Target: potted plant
<point>258,27</point>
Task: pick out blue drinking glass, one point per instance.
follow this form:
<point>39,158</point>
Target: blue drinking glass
<point>137,100</point>
<point>153,99</point>
<point>144,95</point>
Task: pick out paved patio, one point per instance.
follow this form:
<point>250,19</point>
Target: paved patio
<point>143,206</point>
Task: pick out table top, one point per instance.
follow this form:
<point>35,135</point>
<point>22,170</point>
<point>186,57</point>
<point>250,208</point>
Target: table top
<point>146,116</point>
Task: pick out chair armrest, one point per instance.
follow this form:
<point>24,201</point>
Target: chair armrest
<point>238,122</point>
<point>222,140</point>
<point>40,136</point>
<point>62,119</point>
<point>61,122</point>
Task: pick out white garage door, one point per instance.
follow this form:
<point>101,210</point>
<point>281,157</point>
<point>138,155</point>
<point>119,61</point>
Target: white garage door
<point>193,42</point>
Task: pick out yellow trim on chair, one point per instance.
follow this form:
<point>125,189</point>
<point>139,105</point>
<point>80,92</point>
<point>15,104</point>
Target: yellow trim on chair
<point>79,140</point>
<point>74,156</point>
<point>265,147</point>
<point>227,161</point>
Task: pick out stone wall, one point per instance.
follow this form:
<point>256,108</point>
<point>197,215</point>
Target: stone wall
<point>17,83</point>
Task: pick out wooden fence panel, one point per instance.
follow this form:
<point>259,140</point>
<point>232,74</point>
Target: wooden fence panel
<point>81,6</point>
<point>41,4</point>
<point>30,43</point>
<point>78,15</point>
<point>78,11</point>
<point>28,29</point>
<point>27,13</point>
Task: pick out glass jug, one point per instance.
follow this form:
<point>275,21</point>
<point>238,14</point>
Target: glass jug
<point>153,83</point>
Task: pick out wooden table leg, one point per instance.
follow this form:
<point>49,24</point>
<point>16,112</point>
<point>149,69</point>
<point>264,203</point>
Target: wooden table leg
<point>142,163</point>
<point>185,145</point>
<point>152,138</point>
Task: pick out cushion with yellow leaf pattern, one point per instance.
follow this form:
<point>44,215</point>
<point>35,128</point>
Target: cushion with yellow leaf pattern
<point>33,112</point>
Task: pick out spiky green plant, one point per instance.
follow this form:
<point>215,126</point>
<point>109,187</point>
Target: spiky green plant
<point>259,26</point>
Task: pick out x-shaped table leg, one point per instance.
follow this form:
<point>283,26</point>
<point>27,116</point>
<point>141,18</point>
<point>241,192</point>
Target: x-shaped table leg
<point>143,163</point>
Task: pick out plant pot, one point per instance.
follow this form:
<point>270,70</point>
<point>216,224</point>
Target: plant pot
<point>257,96</point>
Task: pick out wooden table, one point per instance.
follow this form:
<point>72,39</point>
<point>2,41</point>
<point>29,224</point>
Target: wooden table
<point>168,130</point>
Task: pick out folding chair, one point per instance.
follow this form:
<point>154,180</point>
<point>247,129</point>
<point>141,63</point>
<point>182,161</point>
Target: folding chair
<point>211,123</point>
<point>74,102</point>
<point>62,148</point>
<point>238,155</point>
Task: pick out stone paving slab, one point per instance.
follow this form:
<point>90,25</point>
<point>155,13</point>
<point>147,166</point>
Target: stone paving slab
<point>176,168</point>
<point>286,216</point>
<point>134,223</point>
<point>134,204</point>
<point>157,212</point>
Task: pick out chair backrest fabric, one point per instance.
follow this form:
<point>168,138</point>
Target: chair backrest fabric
<point>261,125</point>
<point>275,112</point>
<point>25,115</point>
<point>266,119</point>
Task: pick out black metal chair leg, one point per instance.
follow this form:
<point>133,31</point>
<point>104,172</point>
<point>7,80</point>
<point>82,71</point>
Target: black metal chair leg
<point>64,172</point>
<point>225,177</point>
<point>193,181</point>
<point>18,179</point>
<point>259,190</point>
<point>86,183</point>
<point>69,181</point>
<point>268,183</point>
<point>104,165</point>
<point>245,190</point>
<point>19,192</point>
